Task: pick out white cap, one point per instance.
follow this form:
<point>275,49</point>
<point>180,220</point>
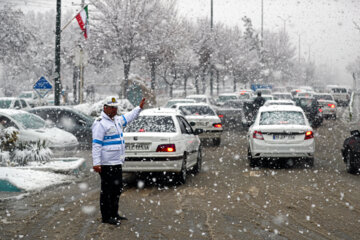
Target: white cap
<point>112,103</point>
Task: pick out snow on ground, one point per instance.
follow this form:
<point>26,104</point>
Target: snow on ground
<point>32,180</point>
<point>58,165</point>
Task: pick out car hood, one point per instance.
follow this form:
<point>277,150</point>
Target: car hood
<point>54,137</point>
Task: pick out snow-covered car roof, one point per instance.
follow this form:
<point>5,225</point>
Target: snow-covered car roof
<point>160,111</point>
<point>280,108</point>
<point>228,94</point>
<point>197,96</point>
<point>11,112</point>
<point>8,98</point>
<point>279,102</point>
<point>192,104</point>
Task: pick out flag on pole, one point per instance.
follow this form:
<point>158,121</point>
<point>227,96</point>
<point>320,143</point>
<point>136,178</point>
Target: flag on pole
<point>83,20</point>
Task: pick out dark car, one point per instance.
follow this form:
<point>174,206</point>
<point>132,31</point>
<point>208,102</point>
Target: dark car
<point>351,152</point>
<point>312,109</point>
<point>70,120</point>
<point>231,113</point>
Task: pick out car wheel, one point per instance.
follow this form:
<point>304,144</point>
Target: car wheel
<point>334,117</point>
<point>349,164</point>
<point>216,141</point>
<point>181,176</point>
<point>197,167</point>
<point>309,162</point>
<point>252,162</point>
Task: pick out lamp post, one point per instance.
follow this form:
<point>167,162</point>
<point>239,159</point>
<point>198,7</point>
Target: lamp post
<point>262,23</point>
<point>299,46</point>
<point>210,64</point>
<point>284,21</point>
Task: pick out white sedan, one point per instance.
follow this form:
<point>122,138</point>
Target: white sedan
<point>202,116</point>
<point>280,132</point>
<point>161,140</point>
<point>32,129</point>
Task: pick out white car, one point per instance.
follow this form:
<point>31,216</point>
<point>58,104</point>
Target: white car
<point>200,98</point>
<point>33,129</point>
<point>282,96</point>
<point>279,102</point>
<point>13,103</point>
<point>202,116</point>
<point>222,98</point>
<point>280,132</point>
<point>327,103</point>
<point>161,140</point>
<point>172,102</point>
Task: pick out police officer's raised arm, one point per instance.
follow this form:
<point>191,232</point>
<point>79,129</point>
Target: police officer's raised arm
<point>130,116</point>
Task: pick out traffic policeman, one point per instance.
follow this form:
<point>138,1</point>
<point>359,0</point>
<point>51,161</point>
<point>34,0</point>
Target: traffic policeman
<point>108,153</point>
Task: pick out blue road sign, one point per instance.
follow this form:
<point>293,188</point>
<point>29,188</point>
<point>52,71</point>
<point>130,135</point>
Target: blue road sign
<point>42,87</point>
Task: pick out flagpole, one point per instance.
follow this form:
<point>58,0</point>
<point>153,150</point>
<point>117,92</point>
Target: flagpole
<point>73,19</point>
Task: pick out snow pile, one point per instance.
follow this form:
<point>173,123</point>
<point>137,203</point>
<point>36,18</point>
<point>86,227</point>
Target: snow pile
<point>59,165</point>
<point>31,180</point>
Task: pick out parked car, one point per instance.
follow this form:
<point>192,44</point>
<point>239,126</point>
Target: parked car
<point>13,103</point>
<point>231,114</point>
<point>202,116</point>
<point>162,140</point>
<point>33,98</point>
<point>327,103</point>
<point>351,152</point>
<point>66,118</point>
<point>172,102</point>
<point>280,132</point>
<point>312,109</point>
<point>32,128</point>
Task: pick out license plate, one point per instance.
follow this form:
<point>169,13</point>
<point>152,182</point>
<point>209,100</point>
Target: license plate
<point>283,137</point>
<point>136,146</point>
<point>202,124</point>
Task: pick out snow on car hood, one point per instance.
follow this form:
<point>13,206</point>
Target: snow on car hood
<point>54,137</point>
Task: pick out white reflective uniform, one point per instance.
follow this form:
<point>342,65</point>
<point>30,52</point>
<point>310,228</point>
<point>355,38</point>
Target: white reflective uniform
<point>108,146</point>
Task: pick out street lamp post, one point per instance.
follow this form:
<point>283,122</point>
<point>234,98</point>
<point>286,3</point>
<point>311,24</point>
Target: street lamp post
<point>284,21</point>
<point>262,23</point>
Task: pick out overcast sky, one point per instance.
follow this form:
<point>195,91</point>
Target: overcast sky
<point>325,25</point>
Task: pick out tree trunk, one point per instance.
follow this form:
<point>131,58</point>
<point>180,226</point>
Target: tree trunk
<point>186,77</point>
<point>153,75</point>
<point>217,82</point>
<point>126,79</point>
<point>197,84</point>
<point>171,90</point>
<point>234,83</point>
<point>75,77</point>
<point>203,80</point>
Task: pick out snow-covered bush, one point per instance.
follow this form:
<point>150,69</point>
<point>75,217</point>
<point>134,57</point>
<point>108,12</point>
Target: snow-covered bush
<point>14,153</point>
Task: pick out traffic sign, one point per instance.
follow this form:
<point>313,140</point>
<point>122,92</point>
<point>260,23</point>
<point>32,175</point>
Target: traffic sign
<point>42,87</point>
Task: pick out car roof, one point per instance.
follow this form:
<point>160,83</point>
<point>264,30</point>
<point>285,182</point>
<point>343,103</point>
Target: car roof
<point>11,112</point>
<point>229,94</point>
<point>280,108</point>
<point>53,107</point>
<point>279,101</point>
<point>197,96</point>
<point>192,104</point>
<point>181,99</point>
<point>160,112</point>
<point>281,93</point>
<point>8,98</point>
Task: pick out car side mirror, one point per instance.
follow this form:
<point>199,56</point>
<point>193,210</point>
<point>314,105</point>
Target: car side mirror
<point>198,131</point>
<point>192,124</point>
<point>355,133</point>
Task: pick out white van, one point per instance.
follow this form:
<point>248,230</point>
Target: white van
<point>340,94</point>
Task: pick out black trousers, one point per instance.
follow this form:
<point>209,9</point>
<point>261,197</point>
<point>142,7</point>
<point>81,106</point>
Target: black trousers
<point>111,188</point>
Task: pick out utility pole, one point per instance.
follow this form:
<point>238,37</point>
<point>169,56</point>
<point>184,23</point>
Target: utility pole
<point>284,21</point>
<point>211,68</point>
<point>57,54</point>
<point>299,43</point>
<point>262,23</point>
<point>81,84</point>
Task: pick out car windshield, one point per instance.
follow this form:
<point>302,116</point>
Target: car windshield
<point>197,110</point>
<point>151,124</point>
<point>170,103</point>
<point>323,97</point>
<point>232,104</point>
<point>339,90</point>
<point>226,98</point>
<point>282,118</point>
<point>244,96</point>
<point>28,120</point>
<point>5,103</point>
